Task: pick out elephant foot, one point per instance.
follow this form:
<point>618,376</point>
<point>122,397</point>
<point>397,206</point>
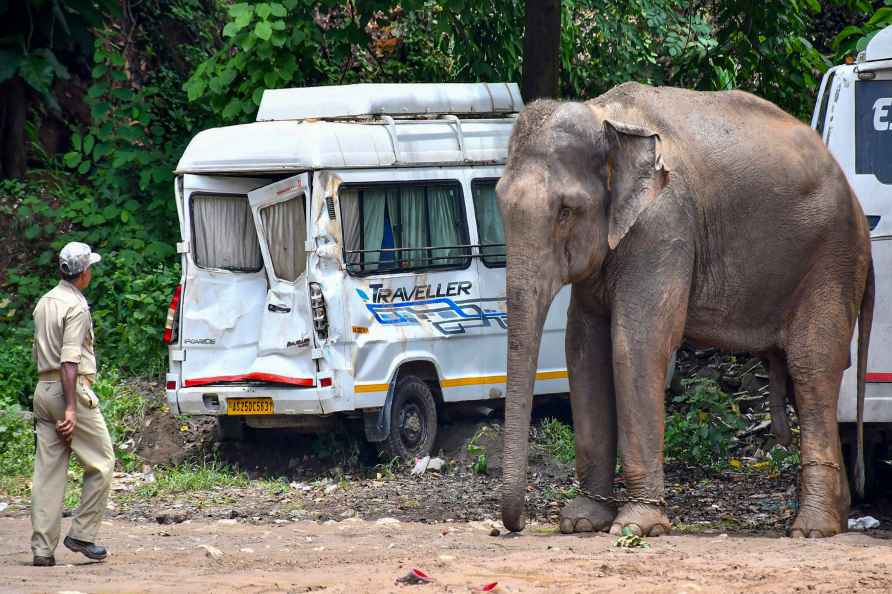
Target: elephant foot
<point>641,519</point>
<point>823,502</point>
<point>811,522</point>
<point>586,515</point>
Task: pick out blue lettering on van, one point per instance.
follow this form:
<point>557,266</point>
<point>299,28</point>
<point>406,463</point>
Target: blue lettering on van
<point>412,307</point>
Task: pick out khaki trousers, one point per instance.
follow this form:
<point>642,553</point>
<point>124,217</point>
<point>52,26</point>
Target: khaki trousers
<point>91,444</point>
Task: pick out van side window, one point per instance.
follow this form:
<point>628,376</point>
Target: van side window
<point>223,233</point>
<point>396,227</point>
<point>285,230</point>
<point>489,222</point>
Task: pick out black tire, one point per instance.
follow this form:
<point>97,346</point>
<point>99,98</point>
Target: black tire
<point>230,428</point>
<point>413,421</point>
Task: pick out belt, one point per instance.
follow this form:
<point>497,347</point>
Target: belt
<point>54,375</point>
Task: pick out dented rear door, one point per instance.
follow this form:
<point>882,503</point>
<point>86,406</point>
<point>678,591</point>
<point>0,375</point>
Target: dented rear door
<point>225,286</point>
<point>285,343</point>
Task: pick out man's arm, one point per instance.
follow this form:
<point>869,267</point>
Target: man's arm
<point>76,326</point>
<point>69,387</point>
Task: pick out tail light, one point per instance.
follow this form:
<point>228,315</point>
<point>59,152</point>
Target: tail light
<point>317,304</point>
<point>170,325</point>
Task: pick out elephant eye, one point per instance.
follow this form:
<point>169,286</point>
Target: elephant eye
<point>565,213</point>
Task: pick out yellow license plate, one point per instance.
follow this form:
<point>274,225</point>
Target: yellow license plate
<point>249,406</point>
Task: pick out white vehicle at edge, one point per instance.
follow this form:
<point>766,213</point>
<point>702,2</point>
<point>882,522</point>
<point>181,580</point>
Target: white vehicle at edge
<point>342,258</point>
<point>853,115</point>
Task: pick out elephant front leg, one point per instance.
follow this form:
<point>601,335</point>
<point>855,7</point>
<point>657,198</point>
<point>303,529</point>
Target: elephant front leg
<point>589,361</point>
<point>644,334</point>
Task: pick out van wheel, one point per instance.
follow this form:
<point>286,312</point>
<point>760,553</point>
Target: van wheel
<point>230,428</point>
<point>413,421</point>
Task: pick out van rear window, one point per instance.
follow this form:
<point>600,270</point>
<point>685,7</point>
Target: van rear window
<point>223,233</point>
<point>285,227</point>
<point>873,129</point>
<point>399,227</point>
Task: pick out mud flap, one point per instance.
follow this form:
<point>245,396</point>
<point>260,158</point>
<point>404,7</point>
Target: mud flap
<point>377,422</point>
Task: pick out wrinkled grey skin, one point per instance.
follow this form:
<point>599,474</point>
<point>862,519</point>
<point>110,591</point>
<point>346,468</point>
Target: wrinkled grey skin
<point>714,217</point>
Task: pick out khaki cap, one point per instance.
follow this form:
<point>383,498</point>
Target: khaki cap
<point>76,257</point>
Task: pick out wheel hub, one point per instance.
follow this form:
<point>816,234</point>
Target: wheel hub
<point>412,429</point>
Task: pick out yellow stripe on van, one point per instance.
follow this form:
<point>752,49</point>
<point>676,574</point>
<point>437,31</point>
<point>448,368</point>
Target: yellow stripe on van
<point>457,382</point>
<point>552,375</point>
<point>474,381</point>
<point>367,388</point>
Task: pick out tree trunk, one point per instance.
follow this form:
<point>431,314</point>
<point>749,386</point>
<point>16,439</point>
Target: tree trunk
<point>13,114</point>
<point>541,49</point>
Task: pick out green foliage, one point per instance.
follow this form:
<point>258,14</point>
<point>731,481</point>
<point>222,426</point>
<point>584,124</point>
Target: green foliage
<point>854,38</point>
<point>35,33</point>
<point>558,440</point>
<point>782,459</point>
<point>630,540</point>
<point>18,372</point>
<point>702,424</point>
<point>204,476</point>
<point>480,464</point>
<point>16,445</point>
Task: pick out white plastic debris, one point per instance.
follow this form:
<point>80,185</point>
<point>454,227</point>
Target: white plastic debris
<point>421,465</point>
<point>3,506</point>
<point>427,463</point>
<point>865,523</point>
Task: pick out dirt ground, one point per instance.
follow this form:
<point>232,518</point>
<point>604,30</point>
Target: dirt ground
<point>332,523</point>
<point>357,556</point>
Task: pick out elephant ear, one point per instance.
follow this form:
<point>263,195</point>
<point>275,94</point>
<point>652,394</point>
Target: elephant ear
<point>635,175</point>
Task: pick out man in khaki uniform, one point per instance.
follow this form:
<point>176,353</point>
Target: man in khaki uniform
<point>67,414</point>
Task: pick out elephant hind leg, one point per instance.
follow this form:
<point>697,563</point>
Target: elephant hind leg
<point>824,497</point>
<point>817,354</point>
<point>778,380</point>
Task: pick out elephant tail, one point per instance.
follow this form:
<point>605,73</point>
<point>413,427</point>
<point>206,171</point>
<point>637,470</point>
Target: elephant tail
<point>865,320</point>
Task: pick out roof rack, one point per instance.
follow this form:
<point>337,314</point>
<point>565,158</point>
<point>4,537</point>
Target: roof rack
<point>393,100</point>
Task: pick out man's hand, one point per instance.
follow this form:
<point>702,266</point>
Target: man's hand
<point>69,388</point>
<point>66,428</point>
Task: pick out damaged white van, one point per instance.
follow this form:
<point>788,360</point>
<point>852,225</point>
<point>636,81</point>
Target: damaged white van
<point>343,258</point>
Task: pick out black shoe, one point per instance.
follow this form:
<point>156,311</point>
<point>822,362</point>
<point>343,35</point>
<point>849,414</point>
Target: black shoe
<point>44,561</point>
<point>89,549</point>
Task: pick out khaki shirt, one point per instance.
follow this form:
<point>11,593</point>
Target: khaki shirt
<point>63,330</point>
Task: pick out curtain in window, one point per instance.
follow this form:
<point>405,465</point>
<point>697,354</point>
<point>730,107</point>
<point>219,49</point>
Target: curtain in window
<point>285,226</point>
<point>445,221</point>
<point>489,223</point>
<point>374,202</point>
<point>412,232</point>
<point>223,233</point>
<point>349,202</point>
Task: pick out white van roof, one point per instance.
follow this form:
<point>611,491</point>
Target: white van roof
<point>271,147</point>
<point>359,132</point>
<point>880,47</point>
<point>352,101</point>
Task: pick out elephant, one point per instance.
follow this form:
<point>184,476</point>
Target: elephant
<point>710,217</point>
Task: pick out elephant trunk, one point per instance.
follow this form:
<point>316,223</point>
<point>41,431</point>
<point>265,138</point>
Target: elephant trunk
<point>528,301</point>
